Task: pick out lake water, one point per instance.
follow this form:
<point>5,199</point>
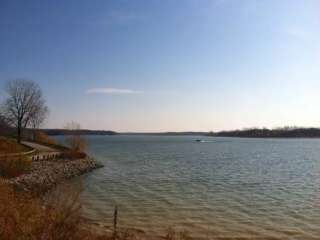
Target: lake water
<point>228,187</point>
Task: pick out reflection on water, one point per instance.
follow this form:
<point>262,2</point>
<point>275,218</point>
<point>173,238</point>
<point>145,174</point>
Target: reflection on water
<point>219,187</point>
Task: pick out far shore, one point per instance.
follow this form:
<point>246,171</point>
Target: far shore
<point>285,132</point>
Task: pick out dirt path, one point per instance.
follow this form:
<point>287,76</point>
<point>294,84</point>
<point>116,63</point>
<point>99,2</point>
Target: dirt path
<point>39,147</point>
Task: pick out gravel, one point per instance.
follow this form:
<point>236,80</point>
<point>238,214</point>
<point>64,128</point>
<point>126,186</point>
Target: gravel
<point>45,175</point>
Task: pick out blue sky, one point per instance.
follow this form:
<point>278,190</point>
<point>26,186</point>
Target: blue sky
<point>167,65</point>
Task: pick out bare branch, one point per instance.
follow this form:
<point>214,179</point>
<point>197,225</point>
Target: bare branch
<point>75,141</point>
<point>25,105</point>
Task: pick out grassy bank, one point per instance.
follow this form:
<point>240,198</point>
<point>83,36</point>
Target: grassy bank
<point>13,166</point>
<point>10,145</point>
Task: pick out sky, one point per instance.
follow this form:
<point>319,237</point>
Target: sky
<point>167,65</point>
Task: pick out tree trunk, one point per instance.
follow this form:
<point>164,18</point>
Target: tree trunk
<point>34,135</point>
<point>19,133</point>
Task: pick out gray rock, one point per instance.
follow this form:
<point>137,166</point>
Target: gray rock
<point>44,175</point>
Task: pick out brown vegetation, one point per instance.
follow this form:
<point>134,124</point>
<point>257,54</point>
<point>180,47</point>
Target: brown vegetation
<point>42,137</point>
<point>73,155</point>
<point>14,166</point>
<point>76,143</point>
<point>57,217</point>
<point>74,140</point>
<point>25,217</point>
<point>8,145</point>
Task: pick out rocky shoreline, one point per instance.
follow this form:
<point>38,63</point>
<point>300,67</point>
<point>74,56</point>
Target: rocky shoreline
<point>46,174</point>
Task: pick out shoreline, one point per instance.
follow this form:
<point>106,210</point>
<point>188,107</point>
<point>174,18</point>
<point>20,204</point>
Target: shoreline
<point>46,174</point>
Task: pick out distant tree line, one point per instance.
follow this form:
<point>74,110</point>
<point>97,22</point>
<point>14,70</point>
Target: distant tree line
<point>167,133</point>
<point>77,131</point>
<point>286,132</point>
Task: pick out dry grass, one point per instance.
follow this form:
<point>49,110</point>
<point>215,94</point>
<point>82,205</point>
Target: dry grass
<point>172,235</point>
<point>58,217</point>
<point>14,166</point>
<point>24,216</point>
<point>8,145</point>
<point>68,153</point>
<point>73,155</point>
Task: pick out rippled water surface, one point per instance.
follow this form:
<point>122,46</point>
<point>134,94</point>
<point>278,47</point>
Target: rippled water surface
<point>220,187</point>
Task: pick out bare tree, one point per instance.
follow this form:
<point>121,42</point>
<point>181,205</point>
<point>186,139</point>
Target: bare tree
<point>24,102</point>
<point>37,118</point>
<point>73,138</point>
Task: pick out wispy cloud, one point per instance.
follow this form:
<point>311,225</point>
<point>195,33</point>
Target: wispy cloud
<point>115,91</point>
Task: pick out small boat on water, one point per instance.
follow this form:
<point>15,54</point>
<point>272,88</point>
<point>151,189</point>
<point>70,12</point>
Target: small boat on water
<point>199,140</point>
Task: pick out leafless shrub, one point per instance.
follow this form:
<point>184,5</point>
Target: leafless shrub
<point>25,217</point>
<point>42,137</point>
<point>74,140</point>
<point>56,216</point>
